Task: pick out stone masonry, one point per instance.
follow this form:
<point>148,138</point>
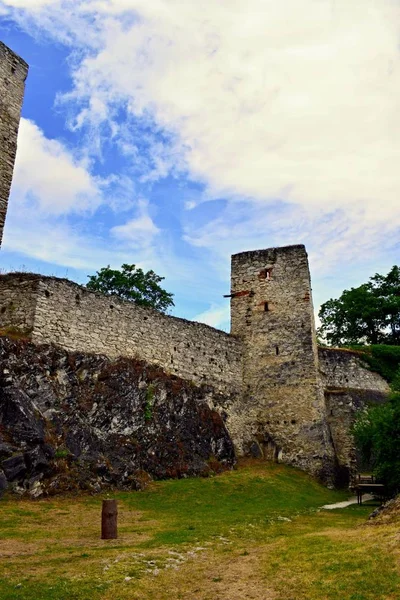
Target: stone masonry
<point>278,398</point>
<point>272,312</point>
<point>13,73</point>
<point>349,387</point>
<point>265,377</point>
<point>47,309</point>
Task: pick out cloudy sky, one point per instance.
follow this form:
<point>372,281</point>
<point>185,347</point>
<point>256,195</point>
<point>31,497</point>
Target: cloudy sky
<point>173,133</point>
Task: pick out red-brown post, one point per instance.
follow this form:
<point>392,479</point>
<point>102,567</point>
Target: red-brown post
<point>109,516</point>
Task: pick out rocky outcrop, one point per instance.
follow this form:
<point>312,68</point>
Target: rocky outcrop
<point>72,421</point>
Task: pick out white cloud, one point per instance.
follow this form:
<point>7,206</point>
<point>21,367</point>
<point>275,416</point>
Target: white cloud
<point>264,105</point>
<point>140,231</point>
<point>289,110</point>
<point>215,316</point>
<point>296,100</point>
<point>30,4</point>
<point>54,242</point>
<point>48,175</point>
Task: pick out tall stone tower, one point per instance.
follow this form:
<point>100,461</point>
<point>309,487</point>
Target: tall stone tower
<point>13,73</point>
<point>272,312</point>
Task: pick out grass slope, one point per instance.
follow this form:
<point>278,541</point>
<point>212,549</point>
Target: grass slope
<point>250,533</point>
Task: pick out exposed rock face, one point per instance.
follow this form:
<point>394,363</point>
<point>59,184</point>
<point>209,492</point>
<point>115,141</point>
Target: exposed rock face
<point>77,421</point>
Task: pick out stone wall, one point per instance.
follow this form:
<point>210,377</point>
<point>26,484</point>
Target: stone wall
<point>18,297</point>
<point>69,315</point>
<point>342,368</point>
<point>271,311</point>
<point>13,72</point>
<point>349,387</point>
<point>267,380</point>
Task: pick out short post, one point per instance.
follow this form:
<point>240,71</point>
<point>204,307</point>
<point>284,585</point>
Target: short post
<point>109,516</point>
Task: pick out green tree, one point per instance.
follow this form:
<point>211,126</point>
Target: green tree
<point>377,435</point>
<point>133,284</point>
<point>368,314</point>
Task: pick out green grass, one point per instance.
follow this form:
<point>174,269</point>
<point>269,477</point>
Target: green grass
<point>197,509</point>
<point>258,527</point>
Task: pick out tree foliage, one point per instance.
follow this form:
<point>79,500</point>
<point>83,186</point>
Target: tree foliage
<point>368,314</point>
<point>385,360</point>
<point>133,284</point>
<point>377,435</point>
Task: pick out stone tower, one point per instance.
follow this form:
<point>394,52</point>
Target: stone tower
<point>13,73</point>
<point>272,312</point>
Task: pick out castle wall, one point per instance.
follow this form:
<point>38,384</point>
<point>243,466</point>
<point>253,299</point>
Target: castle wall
<point>271,311</point>
<point>78,319</point>
<point>13,72</point>
<point>349,387</point>
<point>280,397</point>
<point>345,369</point>
<point>18,297</point>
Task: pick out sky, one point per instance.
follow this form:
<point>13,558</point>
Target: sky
<point>172,134</point>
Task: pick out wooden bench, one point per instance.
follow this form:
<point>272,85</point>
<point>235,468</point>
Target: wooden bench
<point>376,489</point>
<point>365,478</point>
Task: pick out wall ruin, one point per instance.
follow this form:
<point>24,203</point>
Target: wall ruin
<point>272,312</point>
<point>54,310</point>
<point>349,387</point>
<point>13,73</point>
<point>280,397</point>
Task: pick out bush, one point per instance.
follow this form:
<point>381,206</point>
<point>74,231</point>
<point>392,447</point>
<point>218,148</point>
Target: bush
<point>377,435</point>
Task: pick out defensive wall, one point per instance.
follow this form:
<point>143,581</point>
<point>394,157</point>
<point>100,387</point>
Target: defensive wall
<point>349,386</point>
<point>59,311</point>
<point>13,73</point>
<point>280,396</point>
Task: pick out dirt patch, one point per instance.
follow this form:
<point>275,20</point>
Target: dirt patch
<point>209,575</point>
<point>240,579</point>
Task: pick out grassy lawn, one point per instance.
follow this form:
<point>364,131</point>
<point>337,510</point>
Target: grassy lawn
<point>255,532</point>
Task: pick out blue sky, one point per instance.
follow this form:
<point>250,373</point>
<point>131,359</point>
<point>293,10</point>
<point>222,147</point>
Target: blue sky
<point>159,134</point>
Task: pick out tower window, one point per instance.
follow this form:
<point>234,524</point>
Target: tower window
<point>265,274</point>
<point>277,350</point>
<point>266,307</point>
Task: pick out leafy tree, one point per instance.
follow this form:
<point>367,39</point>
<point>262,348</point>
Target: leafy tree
<point>368,314</point>
<point>377,435</point>
<point>133,284</point>
<point>385,360</point>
